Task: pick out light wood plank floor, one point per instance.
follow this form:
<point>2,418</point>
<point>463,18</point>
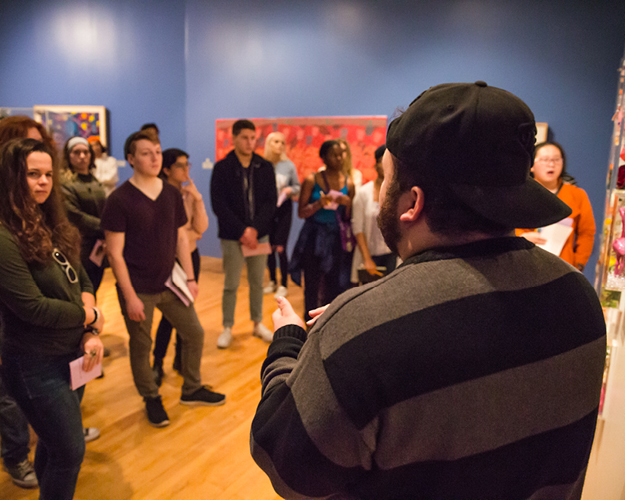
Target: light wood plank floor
<point>204,452</point>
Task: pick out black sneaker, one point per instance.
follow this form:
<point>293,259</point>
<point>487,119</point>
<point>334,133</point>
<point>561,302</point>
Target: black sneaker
<point>156,413</point>
<point>203,397</point>
<point>23,474</point>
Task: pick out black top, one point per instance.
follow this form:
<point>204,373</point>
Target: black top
<point>240,200</point>
<point>151,232</point>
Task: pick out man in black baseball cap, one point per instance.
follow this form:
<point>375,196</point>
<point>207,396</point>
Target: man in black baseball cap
<point>472,371</point>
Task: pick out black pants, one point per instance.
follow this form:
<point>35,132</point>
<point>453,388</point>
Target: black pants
<point>163,332</point>
<point>94,272</point>
<point>321,288</point>
<point>279,236</point>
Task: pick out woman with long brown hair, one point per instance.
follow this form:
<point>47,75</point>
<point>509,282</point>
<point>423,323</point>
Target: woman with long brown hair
<point>47,309</point>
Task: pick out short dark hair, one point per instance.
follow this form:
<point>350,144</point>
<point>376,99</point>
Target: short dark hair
<point>241,125</point>
<point>147,126</point>
<point>445,213</point>
<point>129,145</point>
<point>169,158</point>
<point>325,147</point>
<point>560,148</point>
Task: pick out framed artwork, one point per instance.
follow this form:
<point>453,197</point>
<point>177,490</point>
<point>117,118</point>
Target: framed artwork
<point>305,135</point>
<point>64,122</point>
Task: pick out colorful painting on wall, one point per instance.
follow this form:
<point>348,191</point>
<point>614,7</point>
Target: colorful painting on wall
<point>304,136</point>
<point>64,122</point>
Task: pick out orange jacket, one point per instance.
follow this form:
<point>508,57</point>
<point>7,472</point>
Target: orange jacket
<point>578,247</point>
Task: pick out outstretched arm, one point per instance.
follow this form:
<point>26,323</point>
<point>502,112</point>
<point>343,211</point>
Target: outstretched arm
<point>301,437</point>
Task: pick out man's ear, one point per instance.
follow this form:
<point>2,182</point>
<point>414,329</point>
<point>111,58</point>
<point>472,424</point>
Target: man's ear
<point>414,210</point>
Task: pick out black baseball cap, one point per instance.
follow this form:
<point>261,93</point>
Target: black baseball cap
<point>478,141</point>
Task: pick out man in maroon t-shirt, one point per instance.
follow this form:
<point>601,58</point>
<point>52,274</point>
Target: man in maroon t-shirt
<point>144,225</point>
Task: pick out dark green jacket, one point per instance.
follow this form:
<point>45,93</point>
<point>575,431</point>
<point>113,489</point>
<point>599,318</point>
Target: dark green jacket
<point>42,312</point>
<point>84,201</point>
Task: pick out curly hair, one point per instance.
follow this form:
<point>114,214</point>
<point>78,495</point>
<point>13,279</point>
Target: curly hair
<point>37,228</point>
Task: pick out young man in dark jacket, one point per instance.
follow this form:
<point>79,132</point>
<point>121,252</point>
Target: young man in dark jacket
<point>243,195</point>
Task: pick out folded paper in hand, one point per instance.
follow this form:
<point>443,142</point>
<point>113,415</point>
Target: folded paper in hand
<point>177,283</point>
<point>261,249</point>
<point>78,376</point>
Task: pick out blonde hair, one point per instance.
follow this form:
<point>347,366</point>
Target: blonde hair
<point>347,162</point>
<point>268,154</point>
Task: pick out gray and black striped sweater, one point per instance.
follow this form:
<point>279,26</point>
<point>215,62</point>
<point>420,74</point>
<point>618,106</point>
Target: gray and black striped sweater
<point>471,372</point>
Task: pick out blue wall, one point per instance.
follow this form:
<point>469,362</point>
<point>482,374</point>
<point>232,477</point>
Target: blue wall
<point>185,64</point>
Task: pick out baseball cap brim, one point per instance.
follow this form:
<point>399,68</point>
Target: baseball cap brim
<point>527,205</point>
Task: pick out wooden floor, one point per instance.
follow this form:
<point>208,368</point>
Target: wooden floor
<point>204,452</point>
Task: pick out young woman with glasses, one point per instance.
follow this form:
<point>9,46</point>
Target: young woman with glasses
<point>549,169</point>
<point>84,202</point>
<point>47,309</point>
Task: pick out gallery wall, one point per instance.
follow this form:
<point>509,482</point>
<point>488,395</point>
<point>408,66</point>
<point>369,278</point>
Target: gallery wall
<point>185,64</point>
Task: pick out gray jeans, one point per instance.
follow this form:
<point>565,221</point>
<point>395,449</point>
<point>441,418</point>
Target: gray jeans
<point>233,265</point>
<point>184,320</point>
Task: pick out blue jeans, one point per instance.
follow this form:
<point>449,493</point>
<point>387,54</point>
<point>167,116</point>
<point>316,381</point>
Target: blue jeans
<point>14,433</point>
<point>41,388</point>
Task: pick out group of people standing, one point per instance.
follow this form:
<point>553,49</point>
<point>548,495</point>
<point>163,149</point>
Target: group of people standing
<point>145,229</point>
<point>56,225</point>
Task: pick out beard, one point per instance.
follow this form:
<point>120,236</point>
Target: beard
<point>388,219</point>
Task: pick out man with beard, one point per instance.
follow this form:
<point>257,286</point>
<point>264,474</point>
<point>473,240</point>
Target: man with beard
<point>472,371</point>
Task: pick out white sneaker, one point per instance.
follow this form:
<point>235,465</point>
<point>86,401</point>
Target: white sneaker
<point>282,292</point>
<point>91,433</point>
<point>225,339</point>
<point>270,288</point>
<point>262,332</point>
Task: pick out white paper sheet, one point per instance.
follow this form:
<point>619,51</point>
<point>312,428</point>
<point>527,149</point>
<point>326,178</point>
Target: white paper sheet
<point>261,249</point>
<point>78,376</point>
<point>177,283</point>
<point>97,253</point>
<point>556,236</point>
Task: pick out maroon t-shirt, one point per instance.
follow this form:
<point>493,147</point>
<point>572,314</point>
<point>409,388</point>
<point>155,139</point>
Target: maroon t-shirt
<point>151,232</point>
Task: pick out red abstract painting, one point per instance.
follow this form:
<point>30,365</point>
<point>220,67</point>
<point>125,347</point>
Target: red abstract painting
<point>304,136</point>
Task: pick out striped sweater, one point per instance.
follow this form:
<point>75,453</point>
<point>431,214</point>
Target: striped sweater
<point>471,372</point>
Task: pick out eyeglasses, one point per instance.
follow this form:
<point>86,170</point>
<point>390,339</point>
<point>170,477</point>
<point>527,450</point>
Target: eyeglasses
<point>548,160</point>
<point>65,265</point>
<point>80,152</point>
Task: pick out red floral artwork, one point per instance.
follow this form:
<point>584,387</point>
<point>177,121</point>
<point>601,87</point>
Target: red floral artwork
<point>304,136</point>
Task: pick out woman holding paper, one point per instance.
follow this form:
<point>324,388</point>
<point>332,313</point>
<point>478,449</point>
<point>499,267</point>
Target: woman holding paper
<point>288,187</point>
<point>84,201</point>
<point>549,168</point>
<point>48,312</point>
<point>325,202</point>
